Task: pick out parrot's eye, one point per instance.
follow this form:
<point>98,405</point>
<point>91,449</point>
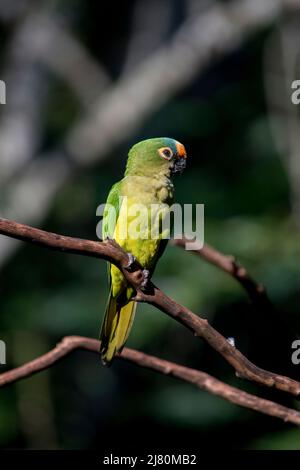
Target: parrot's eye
<point>166,153</point>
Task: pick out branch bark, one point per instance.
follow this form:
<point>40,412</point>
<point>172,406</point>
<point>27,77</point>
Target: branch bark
<point>200,379</point>
<point>228,264</point>
<point>116,114</point>
<point>110,251</point>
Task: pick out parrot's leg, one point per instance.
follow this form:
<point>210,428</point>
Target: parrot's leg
<point>146,273</point>
<point>131,260</point>
<point>146,277</point>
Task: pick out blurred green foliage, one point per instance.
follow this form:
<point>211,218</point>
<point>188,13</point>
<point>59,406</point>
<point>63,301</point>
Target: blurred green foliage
<point>236,171</point>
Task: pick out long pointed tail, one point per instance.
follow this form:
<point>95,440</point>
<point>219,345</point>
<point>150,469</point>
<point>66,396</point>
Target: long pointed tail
<point>116,327</point>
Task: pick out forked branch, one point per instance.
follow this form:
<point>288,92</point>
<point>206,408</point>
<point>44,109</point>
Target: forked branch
<point>192,376</point>
<point>227,263</point>
<point>110,251</point>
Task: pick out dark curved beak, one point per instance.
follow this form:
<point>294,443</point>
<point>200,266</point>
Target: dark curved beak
<point>179,165</point>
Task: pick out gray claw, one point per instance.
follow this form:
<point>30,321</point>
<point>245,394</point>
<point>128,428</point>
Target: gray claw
<point>131,260</point>
<point>146,276</point>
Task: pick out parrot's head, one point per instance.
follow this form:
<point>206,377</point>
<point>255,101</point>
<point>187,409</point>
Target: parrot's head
<point>160,155</point>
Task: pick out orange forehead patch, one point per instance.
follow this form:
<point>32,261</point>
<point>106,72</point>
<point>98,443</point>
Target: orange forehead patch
<point>181,150</point>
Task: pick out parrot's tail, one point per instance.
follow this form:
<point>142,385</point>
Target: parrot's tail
<point>116,327</point>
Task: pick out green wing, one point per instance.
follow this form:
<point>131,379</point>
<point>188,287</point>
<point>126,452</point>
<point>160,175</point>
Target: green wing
<point>111,211</point>
<point>118,316</point>
<point>110,216</point>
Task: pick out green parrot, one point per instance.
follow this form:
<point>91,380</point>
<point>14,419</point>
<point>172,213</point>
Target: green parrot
<point>150,165</point>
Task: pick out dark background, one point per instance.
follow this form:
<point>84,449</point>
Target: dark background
<point>239,166</point>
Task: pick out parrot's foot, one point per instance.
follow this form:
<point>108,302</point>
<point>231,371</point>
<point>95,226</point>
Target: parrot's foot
<point>146,277</point>
<point>131,260</point>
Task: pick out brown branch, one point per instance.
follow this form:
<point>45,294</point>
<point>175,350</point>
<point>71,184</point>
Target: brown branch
<point>228,264</point>
<point>107,250</point>
<point>110,251</point>
<point>195,377</point>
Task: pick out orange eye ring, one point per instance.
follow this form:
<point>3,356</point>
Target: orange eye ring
<point>166,153</point>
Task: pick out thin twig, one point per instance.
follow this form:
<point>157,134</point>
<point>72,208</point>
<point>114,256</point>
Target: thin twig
<point>229,264</point>
<point>110,251</point>
<point>193,376</point>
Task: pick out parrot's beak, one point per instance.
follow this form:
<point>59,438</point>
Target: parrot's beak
<point>179,165</point>
<point>180,161</point>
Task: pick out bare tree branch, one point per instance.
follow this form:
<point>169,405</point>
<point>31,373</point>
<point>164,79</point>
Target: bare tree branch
<point>62,53</point>
<point>228,264</point>
<point>29,183</point>
<point>110,251</point>
<point>202,380</point>
<point>31,194</point>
